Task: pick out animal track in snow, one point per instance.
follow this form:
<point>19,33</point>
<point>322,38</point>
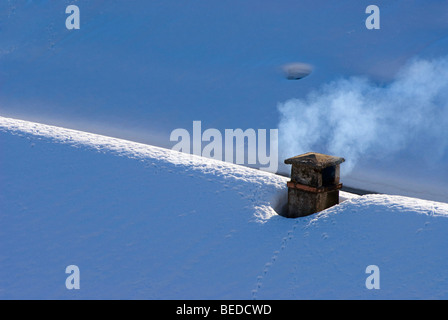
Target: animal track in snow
<point>275,254</point>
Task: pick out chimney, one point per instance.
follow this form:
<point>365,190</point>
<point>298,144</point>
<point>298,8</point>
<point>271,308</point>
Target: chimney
<point>314,184</point>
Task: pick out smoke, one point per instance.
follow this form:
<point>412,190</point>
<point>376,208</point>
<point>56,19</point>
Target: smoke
<point>359,120</point>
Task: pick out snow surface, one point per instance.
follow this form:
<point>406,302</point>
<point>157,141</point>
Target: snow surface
<point>151,223</point>
<point>138,70</point>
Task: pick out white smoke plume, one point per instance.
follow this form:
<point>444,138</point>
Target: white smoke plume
<point>357,119</point>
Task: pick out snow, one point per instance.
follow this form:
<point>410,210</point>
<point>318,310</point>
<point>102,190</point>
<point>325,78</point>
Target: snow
<point>139,71</point>
<point>144,222</point>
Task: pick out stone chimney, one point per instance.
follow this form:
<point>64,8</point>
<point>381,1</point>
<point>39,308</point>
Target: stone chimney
<point>314,184</point>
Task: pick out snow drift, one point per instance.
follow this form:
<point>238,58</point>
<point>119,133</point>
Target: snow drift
<point>150,223</point>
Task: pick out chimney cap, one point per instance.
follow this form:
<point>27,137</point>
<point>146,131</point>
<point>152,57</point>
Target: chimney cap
<point>315,160</point>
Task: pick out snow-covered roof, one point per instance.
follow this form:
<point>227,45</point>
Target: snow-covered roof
<point>109,207</point>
